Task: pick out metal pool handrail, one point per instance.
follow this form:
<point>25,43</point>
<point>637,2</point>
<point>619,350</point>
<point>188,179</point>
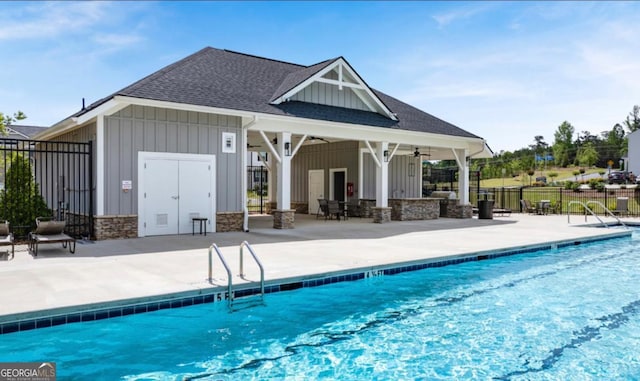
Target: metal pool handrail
<point>585,215</point>
<point>608,211</point>
<point>255,257</point>
<point>226,267</point>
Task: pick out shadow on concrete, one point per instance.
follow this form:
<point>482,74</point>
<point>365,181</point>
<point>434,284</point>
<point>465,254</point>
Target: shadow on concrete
<point>261,231</point>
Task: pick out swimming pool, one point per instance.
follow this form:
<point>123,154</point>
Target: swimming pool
<point>570,313</point>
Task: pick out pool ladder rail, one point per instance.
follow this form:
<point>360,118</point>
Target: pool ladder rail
<point>587,209</point>
<point>246,301</point>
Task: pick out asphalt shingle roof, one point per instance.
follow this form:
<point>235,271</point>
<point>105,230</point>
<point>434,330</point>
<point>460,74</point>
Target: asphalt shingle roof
<point>28,131</point>
<point>236,81</point>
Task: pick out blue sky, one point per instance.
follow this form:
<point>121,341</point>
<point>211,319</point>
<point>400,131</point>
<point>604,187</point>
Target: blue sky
<point>506,71</point>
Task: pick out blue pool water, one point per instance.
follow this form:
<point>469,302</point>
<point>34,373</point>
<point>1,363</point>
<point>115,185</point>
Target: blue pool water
<point>569,314</point>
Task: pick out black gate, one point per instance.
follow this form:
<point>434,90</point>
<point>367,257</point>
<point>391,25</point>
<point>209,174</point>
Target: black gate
<point>257,189</point>
<point>46,179</point>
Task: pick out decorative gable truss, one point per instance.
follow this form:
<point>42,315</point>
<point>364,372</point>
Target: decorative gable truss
<point>337,84</point>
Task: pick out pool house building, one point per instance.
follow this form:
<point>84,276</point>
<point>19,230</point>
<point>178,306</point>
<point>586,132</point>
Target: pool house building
<point>174,146</point>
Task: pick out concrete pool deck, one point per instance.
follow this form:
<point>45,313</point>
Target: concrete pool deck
<point>135,270</point>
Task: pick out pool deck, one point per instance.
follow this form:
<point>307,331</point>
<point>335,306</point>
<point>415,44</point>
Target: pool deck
<point>129,271</point>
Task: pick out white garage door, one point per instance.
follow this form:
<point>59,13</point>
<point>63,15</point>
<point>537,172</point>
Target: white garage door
<point>175,188</point>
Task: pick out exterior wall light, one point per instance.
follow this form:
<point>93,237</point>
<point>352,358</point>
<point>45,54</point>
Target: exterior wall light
<point>386,156</point>
<point>287,149</point>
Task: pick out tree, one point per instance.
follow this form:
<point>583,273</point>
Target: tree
<point>633,119</point>
<point>563,144</point>
<point>587,155</point>
<point>6,120</point>
<point>20,200</point>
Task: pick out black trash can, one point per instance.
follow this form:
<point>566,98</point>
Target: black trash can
<point>485,209</point>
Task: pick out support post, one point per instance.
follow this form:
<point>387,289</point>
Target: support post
<point>382,175</point>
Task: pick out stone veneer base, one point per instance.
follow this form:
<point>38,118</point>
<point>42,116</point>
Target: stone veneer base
<point>115,227</point>
<point>229,221</point>
<point>284,219</point>
<point>381,215</point>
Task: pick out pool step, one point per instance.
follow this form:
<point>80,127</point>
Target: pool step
<point>246,302</point>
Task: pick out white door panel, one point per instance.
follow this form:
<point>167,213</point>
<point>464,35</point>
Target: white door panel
<point>316,189</point>
<point>195,194</point>
<point>161,197</point>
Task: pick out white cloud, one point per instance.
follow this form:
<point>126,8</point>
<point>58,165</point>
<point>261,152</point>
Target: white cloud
<point>458,13</point>
<point>50,20</point>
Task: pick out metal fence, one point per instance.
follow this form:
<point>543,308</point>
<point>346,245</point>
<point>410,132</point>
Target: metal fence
<point>46,179</point>
<point>257,189</point>
<point>510,198</point>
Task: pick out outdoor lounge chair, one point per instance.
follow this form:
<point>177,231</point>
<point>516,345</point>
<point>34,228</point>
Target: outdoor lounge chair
<point>622,206</point>
<point>334,209</point>
<point>353,208</point>
<point>323,209</point>
<point>527,207</point>
<point>6,238</point>
<point>50,232</point>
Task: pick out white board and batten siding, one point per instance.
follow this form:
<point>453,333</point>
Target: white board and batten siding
<point>330,95</point>
<point>323,156</point>
<point>137,129</point>
<point>401,183</point>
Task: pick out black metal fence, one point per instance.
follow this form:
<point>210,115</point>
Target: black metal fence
<point>46,179</point>
<point>510,198</point>
<point>257,189</point>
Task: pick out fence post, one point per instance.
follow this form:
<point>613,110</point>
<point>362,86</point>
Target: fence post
<point>520,198</point>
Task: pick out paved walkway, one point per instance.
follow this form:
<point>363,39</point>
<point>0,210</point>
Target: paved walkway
<point>146,268</point>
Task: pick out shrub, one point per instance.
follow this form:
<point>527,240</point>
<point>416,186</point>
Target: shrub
<point>575,186</point>
<point>596,184</point>
<point>20,200</point>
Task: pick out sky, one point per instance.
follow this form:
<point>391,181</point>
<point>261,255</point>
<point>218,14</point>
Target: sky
<point>505,71</point>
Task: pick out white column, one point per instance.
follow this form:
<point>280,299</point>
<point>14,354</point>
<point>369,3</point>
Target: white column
<point>463,176</point>
<point>100,165</point>
<point>284,171</point>
<point>382,175</point>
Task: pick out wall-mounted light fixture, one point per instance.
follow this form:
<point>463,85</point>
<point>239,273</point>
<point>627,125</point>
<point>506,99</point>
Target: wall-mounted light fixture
<point>287,149</point>
<point>386,156</point>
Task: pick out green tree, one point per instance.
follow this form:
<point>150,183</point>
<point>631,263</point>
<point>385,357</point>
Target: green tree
<point>563,144</point>
<point>6,120</point>
<point>587,155</point>
<point>633,119</point>
<point>20,200</point>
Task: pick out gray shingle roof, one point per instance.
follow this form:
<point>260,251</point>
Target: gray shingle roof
<point>236,81</point>
<point>21,131</point>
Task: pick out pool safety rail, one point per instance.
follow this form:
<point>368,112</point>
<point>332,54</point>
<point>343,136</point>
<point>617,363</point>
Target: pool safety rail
<point>248,301</point>
<point>585,205</point>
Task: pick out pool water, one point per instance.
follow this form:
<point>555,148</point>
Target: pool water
<point>571,314</point>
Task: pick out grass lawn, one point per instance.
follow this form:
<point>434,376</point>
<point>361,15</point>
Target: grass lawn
<point>523,179</point>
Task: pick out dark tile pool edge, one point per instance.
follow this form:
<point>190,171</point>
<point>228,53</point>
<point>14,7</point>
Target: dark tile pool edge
<point>49,318</point>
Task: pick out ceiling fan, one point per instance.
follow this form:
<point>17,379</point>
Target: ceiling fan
<point>417,153</point>
<point>314,138</point>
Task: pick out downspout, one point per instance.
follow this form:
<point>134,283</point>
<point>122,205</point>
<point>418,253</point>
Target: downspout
<point>245,128</point>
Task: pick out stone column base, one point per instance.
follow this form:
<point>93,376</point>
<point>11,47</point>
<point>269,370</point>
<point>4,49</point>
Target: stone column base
<point>283,218</point>
<point>381,215</point>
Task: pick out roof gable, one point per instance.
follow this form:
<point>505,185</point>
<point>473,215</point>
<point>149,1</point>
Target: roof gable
<point>337,73</point>
<point>243,83</point>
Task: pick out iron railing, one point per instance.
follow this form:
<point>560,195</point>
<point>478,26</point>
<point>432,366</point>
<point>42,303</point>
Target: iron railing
<point>56,174</point>
<point>510,198</point>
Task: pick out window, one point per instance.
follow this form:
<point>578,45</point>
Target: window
<point>228,142</point>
